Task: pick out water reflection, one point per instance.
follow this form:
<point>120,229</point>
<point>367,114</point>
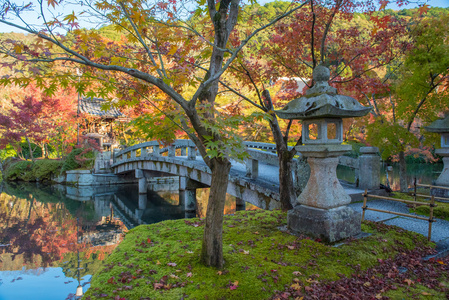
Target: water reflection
<point>53,238</point>
<point>424,173</point>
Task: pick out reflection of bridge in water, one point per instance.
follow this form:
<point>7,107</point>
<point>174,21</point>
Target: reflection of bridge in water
<point>256,181</point>
<point>123,201</point>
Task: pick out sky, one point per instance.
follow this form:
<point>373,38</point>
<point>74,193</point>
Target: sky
<point>33,18</point>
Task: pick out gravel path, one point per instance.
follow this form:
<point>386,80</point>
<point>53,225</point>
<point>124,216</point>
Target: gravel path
<point>440,228</point>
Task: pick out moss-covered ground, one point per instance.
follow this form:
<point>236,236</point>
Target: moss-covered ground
<point>161,261</point>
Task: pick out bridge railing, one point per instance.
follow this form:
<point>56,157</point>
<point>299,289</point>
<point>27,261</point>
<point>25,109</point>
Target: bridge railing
<point>153,148</point>
<point>261,152</point>
<point>367,166</point>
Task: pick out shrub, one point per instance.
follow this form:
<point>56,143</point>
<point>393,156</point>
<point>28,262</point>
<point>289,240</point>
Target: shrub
<point>79,158</point>
<point>44,169</point>
<point>18,171</point>
<point>41,170</point>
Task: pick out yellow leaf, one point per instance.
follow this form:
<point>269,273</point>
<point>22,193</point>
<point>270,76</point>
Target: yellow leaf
<point>18,48</point>
<point>158,263</point>
<point>173,50</point>
<point>378,296</point>
<point>367,284</point>
<point>236,283</point>
<point>426,294</point>
<point>296,286</point>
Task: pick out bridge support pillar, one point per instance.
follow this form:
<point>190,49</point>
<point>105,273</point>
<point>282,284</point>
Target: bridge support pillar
<point>142,181</point>
<point>142,201</point>
<point>142,206</point>
<point>187,194</point>
<point>240,204</point>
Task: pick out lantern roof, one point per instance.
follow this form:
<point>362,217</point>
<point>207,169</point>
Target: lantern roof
<point>322,101</point>
<point>99,107</point>
<point>439,126</point>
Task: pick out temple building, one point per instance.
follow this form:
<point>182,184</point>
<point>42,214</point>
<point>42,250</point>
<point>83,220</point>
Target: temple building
<point>100,122</point>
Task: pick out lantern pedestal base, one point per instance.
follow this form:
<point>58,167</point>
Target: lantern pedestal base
<point>329,225</point>
<point>443,179</point>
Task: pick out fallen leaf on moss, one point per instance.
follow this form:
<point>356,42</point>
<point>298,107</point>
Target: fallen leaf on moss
<point>408,281</point>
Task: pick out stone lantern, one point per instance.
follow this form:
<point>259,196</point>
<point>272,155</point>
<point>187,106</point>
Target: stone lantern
<point>441,126</point>
<point>322,210</point>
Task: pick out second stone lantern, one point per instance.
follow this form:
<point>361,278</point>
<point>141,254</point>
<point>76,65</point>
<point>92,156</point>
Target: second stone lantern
<point>322,210</point>
<point>441,126</point>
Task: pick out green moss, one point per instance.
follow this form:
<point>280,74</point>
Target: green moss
<point>161,261</point>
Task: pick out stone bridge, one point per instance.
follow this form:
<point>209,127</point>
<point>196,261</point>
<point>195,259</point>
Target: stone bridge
<point>255,181</point>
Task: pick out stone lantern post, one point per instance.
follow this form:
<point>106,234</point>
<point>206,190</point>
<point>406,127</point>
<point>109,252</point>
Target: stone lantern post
<point>441,126</point>
<point>322,210</point>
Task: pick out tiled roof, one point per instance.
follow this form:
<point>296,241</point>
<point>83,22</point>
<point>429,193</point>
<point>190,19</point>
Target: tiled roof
<point>92,106</point>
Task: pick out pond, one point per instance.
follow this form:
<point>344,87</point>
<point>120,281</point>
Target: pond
<point>53,238</point>
<point>424,174</point>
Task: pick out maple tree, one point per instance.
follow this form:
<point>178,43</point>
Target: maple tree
<point>161,46</point>
<point>418,95</point>
<point>21,124</point>
<point>39,120</point>
<point>349,37</point>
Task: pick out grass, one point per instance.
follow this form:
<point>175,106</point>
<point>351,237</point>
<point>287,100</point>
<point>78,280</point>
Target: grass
<point>161,261</point>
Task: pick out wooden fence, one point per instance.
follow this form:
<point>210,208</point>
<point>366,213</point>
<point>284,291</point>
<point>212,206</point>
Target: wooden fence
<point>430,187</point>
<point>431,205</point>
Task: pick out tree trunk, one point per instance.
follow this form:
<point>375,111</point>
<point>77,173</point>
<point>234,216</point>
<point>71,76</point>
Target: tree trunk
<point>402,173</point>
<point>45,150</point>
<point>212,247</point>
<point>286,187</point>
<point>29,148</point>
